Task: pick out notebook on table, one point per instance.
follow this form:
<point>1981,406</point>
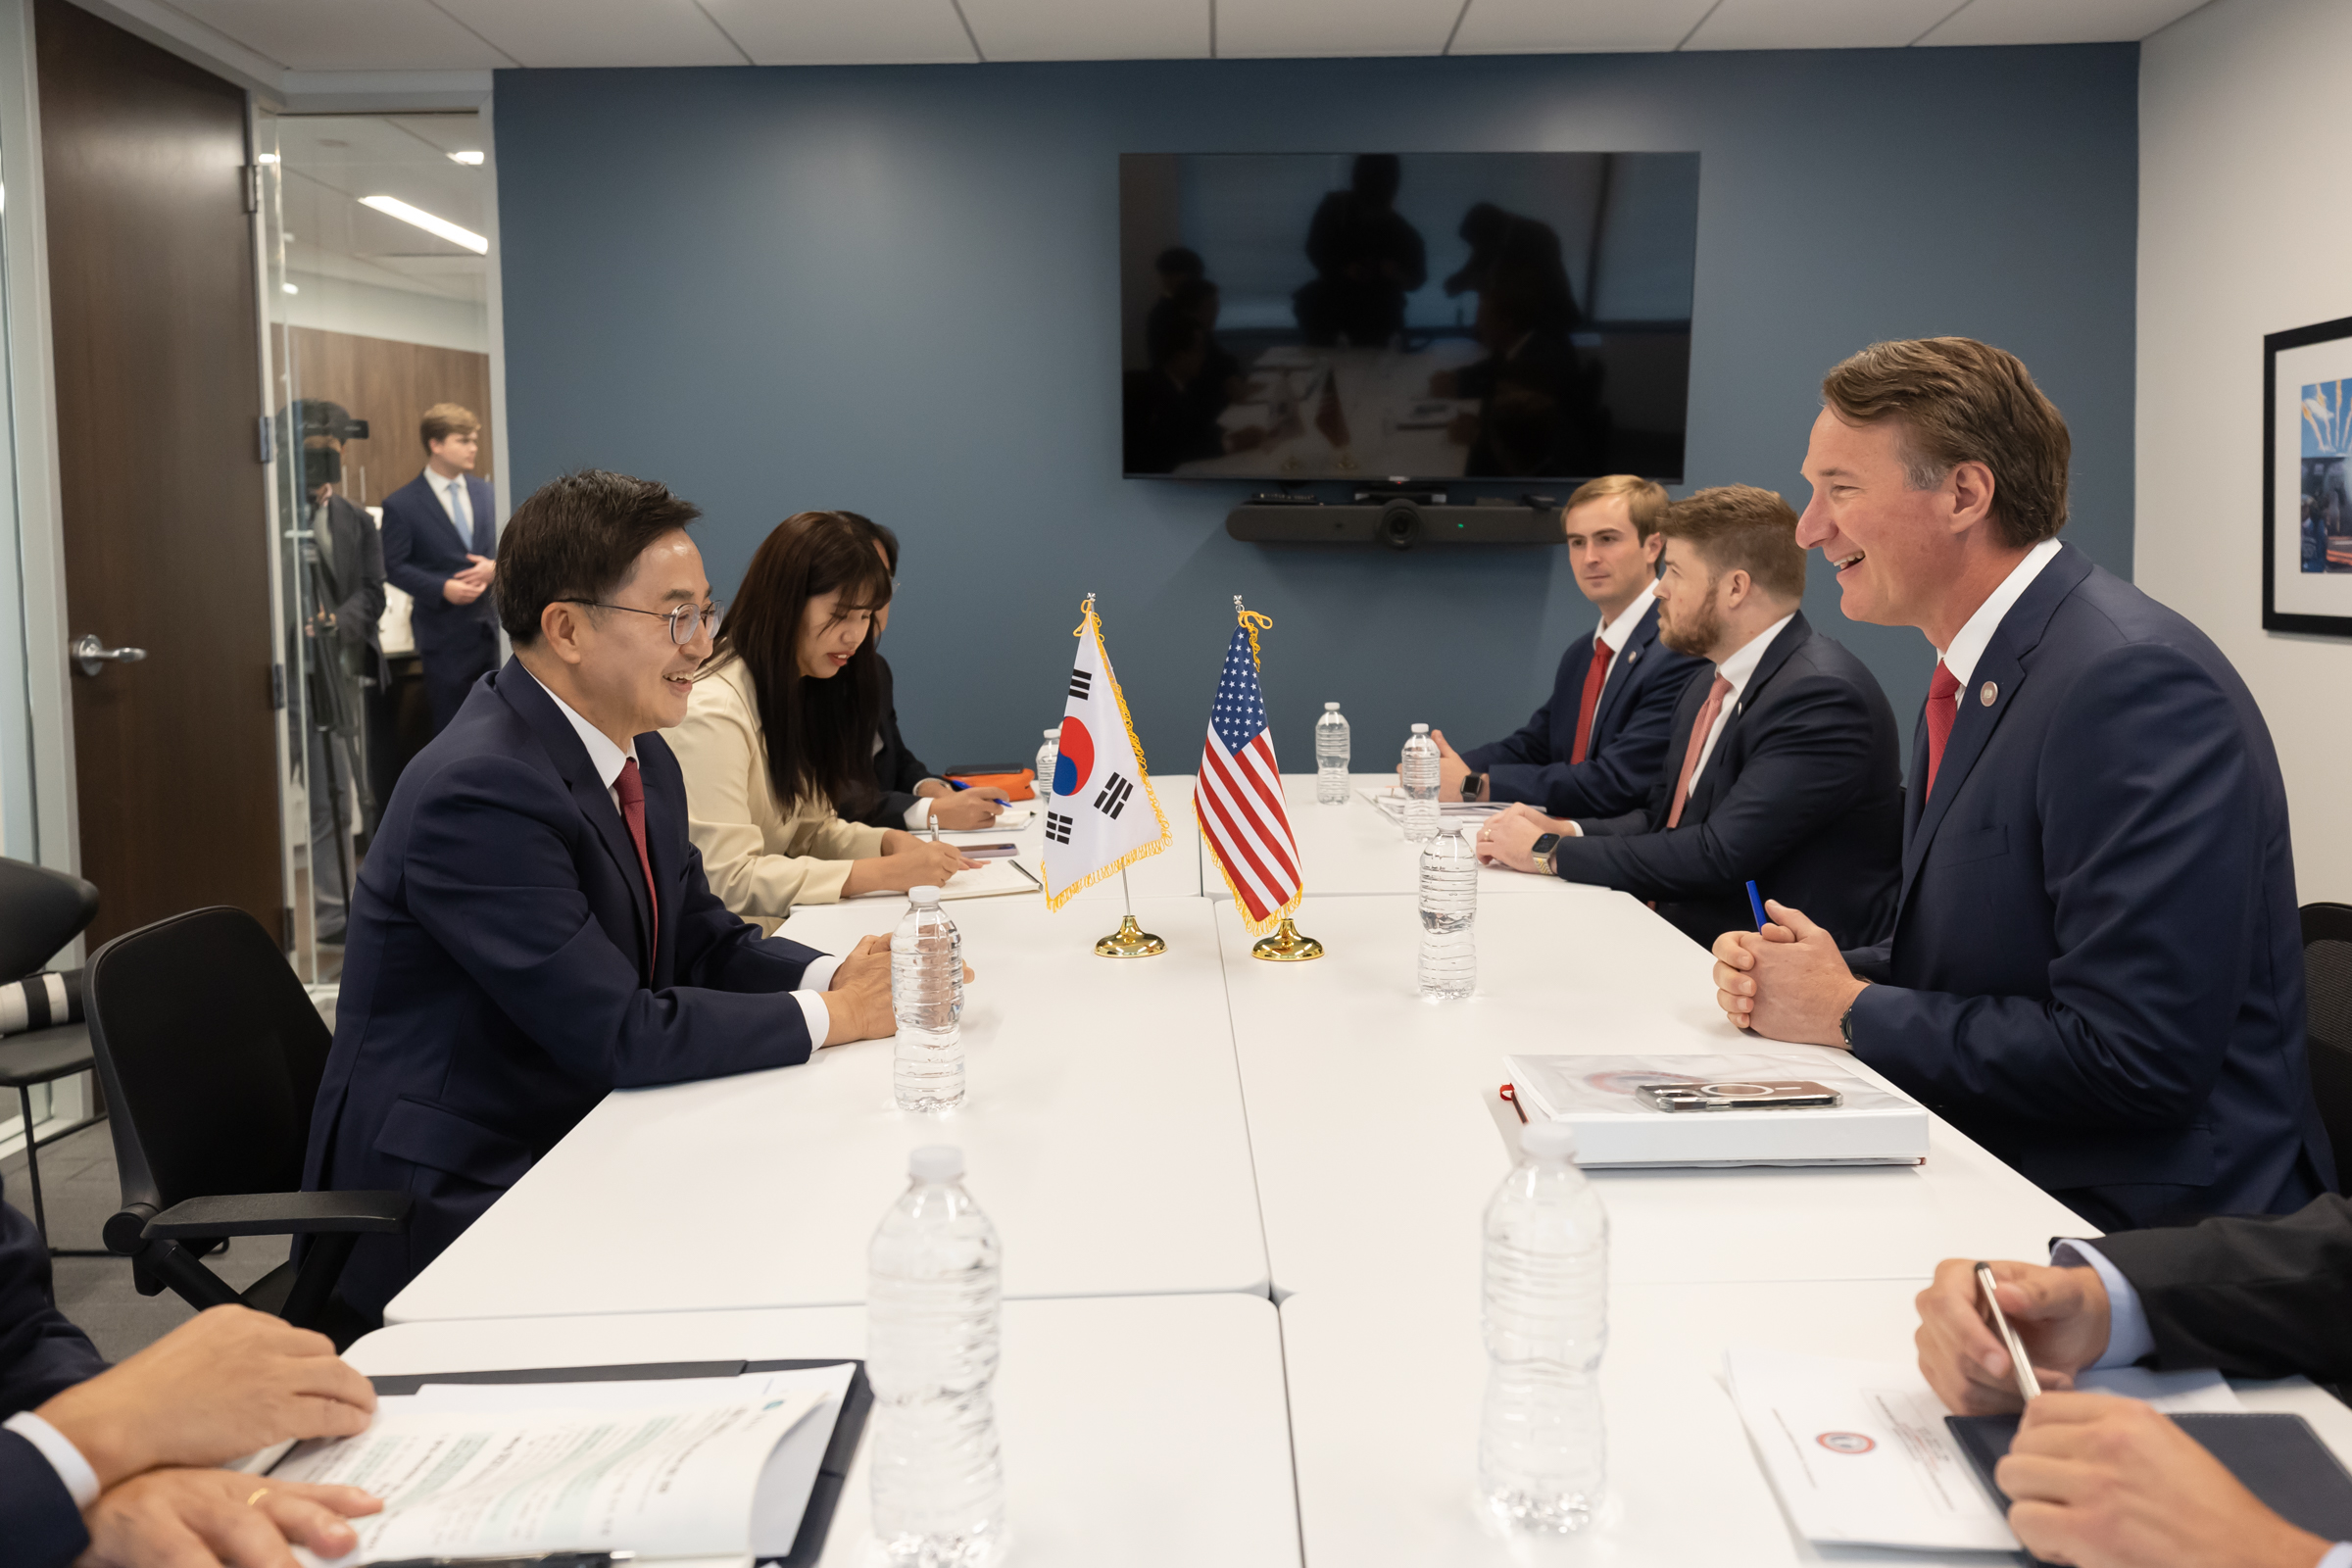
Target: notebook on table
<point>2278,1457</point>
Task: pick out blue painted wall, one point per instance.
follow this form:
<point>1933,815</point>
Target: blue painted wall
<point>895,290</point>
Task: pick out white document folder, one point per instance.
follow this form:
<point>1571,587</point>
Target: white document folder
<point>1876,1125</point>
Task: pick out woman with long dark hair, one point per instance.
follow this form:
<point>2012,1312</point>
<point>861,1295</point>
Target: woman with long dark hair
<point>779,732</point>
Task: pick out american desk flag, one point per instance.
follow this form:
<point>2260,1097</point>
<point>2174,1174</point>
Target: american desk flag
<point>1240,791</point>
<point>1103,816</point>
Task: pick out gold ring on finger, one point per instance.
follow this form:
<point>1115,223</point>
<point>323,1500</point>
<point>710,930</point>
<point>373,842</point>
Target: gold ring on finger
<point>259,1492</point>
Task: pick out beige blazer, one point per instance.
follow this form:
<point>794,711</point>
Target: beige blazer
<point>760,857</point>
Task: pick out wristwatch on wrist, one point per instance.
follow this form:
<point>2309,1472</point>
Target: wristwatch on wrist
<point>1474,785</point>
<point>1845,1022</point>
<point>1544,851</point>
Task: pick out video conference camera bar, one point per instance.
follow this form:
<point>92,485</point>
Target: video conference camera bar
<point>1399,516</point>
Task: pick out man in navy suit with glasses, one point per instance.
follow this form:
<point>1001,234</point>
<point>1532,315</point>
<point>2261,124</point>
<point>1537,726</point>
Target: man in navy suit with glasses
<point>440,548</point>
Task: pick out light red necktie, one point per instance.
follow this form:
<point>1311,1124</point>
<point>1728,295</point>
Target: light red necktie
<point>631,788</point>
<point>1700,728</point>
<point>1597,675</point>
<point>1944,707</point>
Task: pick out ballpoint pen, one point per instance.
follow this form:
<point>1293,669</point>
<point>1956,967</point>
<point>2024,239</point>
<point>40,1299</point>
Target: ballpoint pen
<point>2027,1382</point>
<point>1755,902</point>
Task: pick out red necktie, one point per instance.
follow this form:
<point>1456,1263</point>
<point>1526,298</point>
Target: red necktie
<point>1944,707</point>
<point>1700,728</point>
<point>1597,675</point>
<point>631,788</point>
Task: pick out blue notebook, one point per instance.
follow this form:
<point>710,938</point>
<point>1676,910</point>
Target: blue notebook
<point>2278,1458</point>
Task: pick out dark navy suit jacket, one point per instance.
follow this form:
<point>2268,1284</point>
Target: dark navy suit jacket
<point>1803,793</point>
<point>422,552</point>
<point>41,1353</point>
<point>1627,750</point>
<point>496,982</point>
<point>2096,969</point>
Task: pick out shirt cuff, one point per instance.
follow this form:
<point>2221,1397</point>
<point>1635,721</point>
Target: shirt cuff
<point>2338,1555</point>
<point>66,1460</point>
<point>819,976</point>
<point>820,1022</point>
<point>918,815</point>
<point>2128,1339</point>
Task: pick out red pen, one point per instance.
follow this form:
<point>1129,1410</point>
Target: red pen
<point>1513,1095</point>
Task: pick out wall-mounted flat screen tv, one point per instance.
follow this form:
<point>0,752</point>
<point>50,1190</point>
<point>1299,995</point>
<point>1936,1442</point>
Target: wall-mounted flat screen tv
<point>1362,317</point>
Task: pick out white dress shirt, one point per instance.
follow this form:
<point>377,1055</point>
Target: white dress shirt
<point>1617,633</point>
<point>55,1447</point>
<point>1971,640</point>
<point>1738,668</point>
<point>454,501</point>
<point>606,759</point>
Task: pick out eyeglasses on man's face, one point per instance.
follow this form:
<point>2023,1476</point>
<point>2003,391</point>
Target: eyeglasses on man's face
<point>684,622</point>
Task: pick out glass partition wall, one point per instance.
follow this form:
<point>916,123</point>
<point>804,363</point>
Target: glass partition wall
<point>376,285</point>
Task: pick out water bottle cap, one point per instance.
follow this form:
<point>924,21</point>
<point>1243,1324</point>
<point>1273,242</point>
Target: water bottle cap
<point>922,898</point>
<point>1331,707</point>
<point>1055,733</point>
<point>935,1162</point>
<point>1420,729</point>
<point>1549,1142</point>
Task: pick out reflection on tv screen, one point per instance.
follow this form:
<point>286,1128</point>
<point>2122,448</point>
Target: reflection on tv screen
<point>1419,315</point>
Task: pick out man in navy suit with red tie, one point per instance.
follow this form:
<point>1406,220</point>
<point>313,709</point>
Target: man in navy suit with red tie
<point>533,928</point>
<point>440,544</point>
<point>2096,966</point>
<point>1596,748</point>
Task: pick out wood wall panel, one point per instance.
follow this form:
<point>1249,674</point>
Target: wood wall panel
<point>390,385</point>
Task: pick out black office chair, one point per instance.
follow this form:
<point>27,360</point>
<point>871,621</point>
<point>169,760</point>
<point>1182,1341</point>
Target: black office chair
<point>2327,996</point>
<point>40,912</point>
<point>212,1053</point>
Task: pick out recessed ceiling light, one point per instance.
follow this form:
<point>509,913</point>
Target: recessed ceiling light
<point>289,288</point>
<point>265,158</point>
<point>465,158</point>
<point>394,207</point>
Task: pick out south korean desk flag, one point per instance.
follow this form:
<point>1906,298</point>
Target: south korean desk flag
<point>1103,816</point>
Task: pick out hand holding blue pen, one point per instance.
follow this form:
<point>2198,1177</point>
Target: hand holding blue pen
<point>1755,902</point>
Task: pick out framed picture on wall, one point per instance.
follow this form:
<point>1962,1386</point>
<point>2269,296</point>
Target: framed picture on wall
<point>2306,488</point>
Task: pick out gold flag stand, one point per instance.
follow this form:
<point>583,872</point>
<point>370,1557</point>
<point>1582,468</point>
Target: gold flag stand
<point>1286,946</point>
<point>1129,941</point>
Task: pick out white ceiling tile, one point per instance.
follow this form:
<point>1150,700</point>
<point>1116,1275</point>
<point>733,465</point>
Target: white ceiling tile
<point>1574,26</point>
<point>844,32</point>
<point>349,35</point>
<point>1983,22</point>
<point>1103,29</point>
<point>1315,29</point>
<point>598,32</point>
<point>1818,24</point>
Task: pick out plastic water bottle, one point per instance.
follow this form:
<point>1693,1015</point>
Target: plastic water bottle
<point>1542,1448</point>
<point>926,997</point>
<point>1046,756</point>
<point>1449,909</point>
<point>1331,756</point>
<point>1420,779</point>
<point>933,1287</point>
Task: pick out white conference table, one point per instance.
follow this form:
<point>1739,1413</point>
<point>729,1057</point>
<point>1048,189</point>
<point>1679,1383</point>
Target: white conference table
<point>1191,1384</point>
<point>1353,848</point>
<point>1385,1389</point>
<point>1204,1127</point>
<point>1103,1135</point>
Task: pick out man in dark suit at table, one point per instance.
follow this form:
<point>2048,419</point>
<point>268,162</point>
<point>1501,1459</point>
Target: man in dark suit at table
<point>1596,748</point>
<point>1786,767</point>
<point>120,1462</point>
<point>533,928</point>
<point>2100,1480</point>
<point>440,544</point>
<point>2096,965</point>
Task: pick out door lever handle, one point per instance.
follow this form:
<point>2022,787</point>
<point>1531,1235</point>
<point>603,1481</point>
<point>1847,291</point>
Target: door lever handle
<point>94,656</point>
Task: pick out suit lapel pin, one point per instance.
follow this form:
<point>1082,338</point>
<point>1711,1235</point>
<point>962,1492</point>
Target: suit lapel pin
<point>1986,693</point>
<point>1634,657</point>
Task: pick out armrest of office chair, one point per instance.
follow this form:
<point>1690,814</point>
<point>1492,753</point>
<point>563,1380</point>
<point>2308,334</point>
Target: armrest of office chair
<point>280,1214</point>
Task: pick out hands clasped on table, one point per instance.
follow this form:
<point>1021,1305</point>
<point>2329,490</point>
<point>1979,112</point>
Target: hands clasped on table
<point>858,1001</point>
